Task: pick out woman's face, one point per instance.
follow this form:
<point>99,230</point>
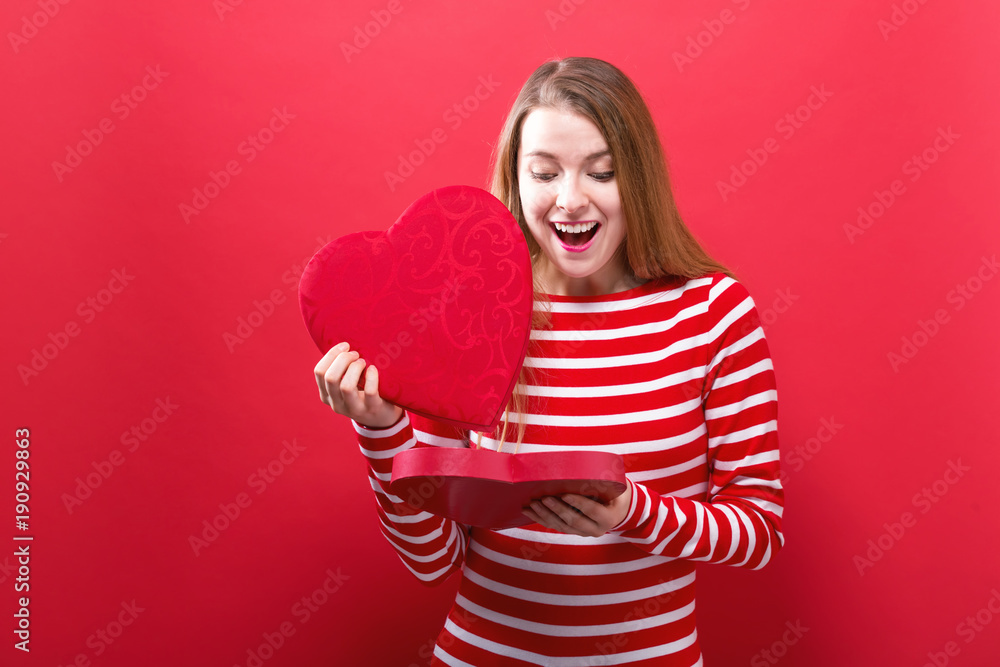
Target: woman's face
<point>570,201</point>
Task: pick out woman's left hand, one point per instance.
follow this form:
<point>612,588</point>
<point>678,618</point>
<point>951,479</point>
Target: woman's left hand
<point>579,515</point>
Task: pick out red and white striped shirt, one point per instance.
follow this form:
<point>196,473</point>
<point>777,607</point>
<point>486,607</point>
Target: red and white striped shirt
<point>676,378</point>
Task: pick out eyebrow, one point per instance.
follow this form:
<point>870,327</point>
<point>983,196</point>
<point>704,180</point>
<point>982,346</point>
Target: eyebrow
<point>546,154</point>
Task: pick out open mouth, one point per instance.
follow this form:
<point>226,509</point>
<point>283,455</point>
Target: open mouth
<point>576,236</point>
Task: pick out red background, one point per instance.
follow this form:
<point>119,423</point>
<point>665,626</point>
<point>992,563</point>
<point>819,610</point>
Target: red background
<point>836,305</point>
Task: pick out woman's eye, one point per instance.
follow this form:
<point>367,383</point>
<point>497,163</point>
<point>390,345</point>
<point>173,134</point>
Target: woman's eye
<point>603,176</point>
<point>544,178</point>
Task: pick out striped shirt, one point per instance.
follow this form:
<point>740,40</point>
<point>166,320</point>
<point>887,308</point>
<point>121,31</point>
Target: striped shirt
<point>677,379</point>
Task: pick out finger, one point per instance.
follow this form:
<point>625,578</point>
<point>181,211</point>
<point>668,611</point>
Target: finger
<point>542,516</point>
<point>601,517</point>
<point>327,360</point>
<point>528,512</point>
<point>577,521</point>
<point>323,366</point>
<point>369,399</point>
<point>349,387</point>
<point>371,383</point>
<point>333,375</point>
<point>330,387</point>
<point>373,402</point>
<point>547,511</point>
<point>558,507</point>
<point>586,506</point>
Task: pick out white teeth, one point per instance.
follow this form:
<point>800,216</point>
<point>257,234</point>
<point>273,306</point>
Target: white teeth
<point>575,229</point>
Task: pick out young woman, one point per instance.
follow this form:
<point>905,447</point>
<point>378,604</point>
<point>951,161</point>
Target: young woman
<point>642,346</point>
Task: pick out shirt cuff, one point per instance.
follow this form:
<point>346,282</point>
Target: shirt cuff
<point>376,432</point>
<point>628,522</point>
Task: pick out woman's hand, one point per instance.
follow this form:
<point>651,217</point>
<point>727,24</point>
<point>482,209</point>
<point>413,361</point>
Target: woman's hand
<point>338,375</point>
<point>579,515</point>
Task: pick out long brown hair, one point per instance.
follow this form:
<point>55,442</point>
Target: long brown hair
<point>657,243</point>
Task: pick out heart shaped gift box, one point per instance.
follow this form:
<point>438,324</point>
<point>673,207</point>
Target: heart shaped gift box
<point>480,487</point>
<point>441,304</point>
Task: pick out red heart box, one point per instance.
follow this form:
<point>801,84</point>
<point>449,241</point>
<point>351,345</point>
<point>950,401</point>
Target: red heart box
<point>480,487</point>
<point>440,303</point>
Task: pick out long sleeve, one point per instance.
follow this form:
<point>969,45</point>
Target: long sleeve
<point>676,378</point>
<point>739,521</point>
<point>431,547</point>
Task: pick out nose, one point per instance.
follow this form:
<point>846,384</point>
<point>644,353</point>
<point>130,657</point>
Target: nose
<point>572,196</point>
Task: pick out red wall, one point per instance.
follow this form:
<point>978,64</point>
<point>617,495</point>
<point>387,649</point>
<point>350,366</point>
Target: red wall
<point>129,305</point>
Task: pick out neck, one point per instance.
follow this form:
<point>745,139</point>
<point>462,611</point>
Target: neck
<point>606,281</point>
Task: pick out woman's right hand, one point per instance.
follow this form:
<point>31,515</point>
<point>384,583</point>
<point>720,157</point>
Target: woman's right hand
<point>338,375</point>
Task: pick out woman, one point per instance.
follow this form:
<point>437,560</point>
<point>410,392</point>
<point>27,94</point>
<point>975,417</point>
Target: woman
<point>642,346</point>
